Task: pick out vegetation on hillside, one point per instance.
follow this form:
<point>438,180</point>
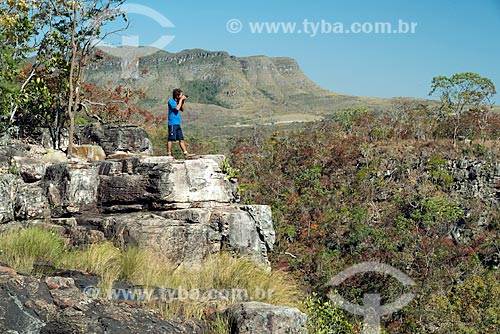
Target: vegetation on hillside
<point>377,187</point>
<point>203,91</point>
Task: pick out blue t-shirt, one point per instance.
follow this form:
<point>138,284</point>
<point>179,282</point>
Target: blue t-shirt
<point>174,116</point>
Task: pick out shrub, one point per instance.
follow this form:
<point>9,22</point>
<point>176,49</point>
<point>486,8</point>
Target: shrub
<point>324,317</point>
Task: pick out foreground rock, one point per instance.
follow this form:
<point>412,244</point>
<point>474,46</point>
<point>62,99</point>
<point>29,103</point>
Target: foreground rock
<point>185,210</point>
<point>255,317</point>
<point>56,306</point>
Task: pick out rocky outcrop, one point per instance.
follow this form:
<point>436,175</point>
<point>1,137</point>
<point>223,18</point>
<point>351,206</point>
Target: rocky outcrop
<point>189,235</point>
<point>474,180</point>
<point>184,209</point>
<point>164,182</point>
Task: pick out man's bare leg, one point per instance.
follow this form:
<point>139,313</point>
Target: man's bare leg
<point>169,148</point>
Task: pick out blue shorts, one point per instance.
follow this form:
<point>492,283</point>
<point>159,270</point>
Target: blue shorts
<point>175,133</point>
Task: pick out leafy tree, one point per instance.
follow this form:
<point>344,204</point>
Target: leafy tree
<point>462,90</point>
<point>84,20</point>
<point>8,86</point>
<point>16,31</point>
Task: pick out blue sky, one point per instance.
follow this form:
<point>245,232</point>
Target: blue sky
<point>449,37</point>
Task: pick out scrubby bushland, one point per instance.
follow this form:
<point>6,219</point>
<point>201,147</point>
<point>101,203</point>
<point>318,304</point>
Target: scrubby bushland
<point>351,190</point>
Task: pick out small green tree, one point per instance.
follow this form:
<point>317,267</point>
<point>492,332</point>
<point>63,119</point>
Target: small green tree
<point>462,90</point>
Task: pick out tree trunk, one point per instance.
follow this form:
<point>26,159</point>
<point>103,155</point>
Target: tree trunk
<point>71,110</point>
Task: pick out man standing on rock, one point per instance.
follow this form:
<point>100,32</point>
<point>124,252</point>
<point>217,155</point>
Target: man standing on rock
<point>175,107</point>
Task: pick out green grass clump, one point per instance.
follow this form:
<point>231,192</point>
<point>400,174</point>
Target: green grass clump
<point>103,260</point>
<point>221,325</point>
<point>145,268</point>
<point>21,248</point>
<point>225,272</point>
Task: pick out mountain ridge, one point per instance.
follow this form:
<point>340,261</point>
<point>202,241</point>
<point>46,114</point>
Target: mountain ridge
<point>246,90</point>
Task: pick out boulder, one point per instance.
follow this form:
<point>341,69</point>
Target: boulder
<point>71,188</point>
<point>256,317</point>
<point>54,157</point>
<point>113,138</point>
<point>178,241</point>
<point>125,190</point>
<point>31,170</point>
<point>88,152</point>
<point>199,180</point>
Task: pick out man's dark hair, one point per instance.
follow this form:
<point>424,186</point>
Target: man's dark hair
<point>176,93</point>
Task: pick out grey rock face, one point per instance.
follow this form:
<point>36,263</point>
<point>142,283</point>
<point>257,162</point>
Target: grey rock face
<point>189,235</point>
<point>8,189</point>
<point>71,188</point>
<point>164,183</point>
<point>262,216</point>
<point>255,317</point>
<point>31,170</point>
<point>199,180</point>
<point>243,232</point>
<point>31,202</point>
